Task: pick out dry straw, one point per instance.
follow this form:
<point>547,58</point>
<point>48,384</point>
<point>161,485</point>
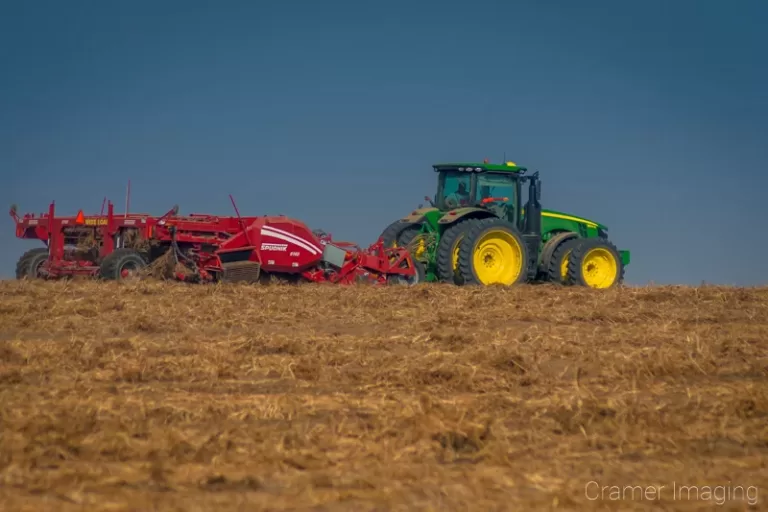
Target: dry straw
<point>187,397</point>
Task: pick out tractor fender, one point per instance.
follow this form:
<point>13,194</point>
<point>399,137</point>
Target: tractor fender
<point>460,213</point>
<point>549,247</point>
<point>417,216</point>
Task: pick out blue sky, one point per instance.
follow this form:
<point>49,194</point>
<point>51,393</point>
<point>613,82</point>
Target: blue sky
<point>647,116</point>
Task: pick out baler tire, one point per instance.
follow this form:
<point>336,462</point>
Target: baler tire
<point>557,272</point>
<point>112,266</point>
<point>605,254</point>
<point>448,251</point>
<point>475,235</point>
<point>421,275</point>
<point>23,264</point>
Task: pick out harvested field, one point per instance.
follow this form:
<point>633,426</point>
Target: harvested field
<point>168,396</point>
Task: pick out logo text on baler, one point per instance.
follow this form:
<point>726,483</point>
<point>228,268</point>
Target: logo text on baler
<point>274,247</point>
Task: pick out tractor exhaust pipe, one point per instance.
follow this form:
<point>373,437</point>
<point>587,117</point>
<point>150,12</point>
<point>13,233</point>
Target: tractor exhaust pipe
<point>533,206</point>
<point>532,231</point>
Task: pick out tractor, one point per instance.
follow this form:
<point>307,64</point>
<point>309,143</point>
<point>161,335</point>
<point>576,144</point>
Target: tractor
<point>477,230</point>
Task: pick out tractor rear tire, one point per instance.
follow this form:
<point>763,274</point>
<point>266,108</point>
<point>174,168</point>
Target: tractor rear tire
<point>448,251</point>
<point>557,272</point>
<point>399,233</point>
<point>29,264</point>
<point>389,235</point>
<point>493,252</point>
<point>595,263</point>
<point>121,264</point>
<point>407,235</point>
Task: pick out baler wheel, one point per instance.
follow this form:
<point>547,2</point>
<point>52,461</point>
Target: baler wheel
<point>493,252</point>
<point>448,251</point>
<point>595,263</point>
<point>122,264</point>
<point>558,264</point>
<point>420,277</point>
<point>33,258</point>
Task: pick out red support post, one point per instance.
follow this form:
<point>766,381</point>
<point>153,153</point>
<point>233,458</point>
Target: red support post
<point>108,232</point>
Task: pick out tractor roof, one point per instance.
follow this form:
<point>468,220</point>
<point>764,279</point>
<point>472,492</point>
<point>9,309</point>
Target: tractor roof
<point>481,167</point>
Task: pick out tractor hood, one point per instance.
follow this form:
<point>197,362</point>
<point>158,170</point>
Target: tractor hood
<point>554,214</point>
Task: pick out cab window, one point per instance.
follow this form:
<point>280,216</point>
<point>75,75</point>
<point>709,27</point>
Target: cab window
<point>456,188</point>
<point>497,187</point>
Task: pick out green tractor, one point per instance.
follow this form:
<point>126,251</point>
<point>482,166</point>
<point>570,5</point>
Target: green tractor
<point>478,231</point>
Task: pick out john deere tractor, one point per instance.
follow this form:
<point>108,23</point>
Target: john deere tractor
<point>477,230</point>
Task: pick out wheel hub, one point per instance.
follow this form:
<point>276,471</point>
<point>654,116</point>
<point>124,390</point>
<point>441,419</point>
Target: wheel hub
<point>489,259</point>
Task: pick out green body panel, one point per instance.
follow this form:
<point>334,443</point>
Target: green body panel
<point>433,219</point>
<point>624,257</point>
<point>553,221</point>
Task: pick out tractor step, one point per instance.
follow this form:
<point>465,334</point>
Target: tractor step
<point>241,271</point>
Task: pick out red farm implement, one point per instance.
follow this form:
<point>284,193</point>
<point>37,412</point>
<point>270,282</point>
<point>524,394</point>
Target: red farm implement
<point>207,248</point>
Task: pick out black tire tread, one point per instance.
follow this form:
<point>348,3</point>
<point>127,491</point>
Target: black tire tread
<point>553,270</point>
<point>407,235</point>
<point>110,264</point>
<point>22,265</point>
<point>389,235</point>
<point>400,232</point>
<point>444,255</point>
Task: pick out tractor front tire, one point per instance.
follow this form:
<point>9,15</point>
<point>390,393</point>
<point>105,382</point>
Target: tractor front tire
<point>448,251</point>
<point>595,263</point>
<point>557,272</point>
<point>122,264</point>
<point>29,264</point>
<point>493,252</point>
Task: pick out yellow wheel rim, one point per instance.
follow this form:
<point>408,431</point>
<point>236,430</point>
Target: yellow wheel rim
<point>599,268</point>
<point>498,258</point>
<point>564,265</point>
<point>455,254</point>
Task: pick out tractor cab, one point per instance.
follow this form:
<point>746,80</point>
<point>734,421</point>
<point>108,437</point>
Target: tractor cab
<point>489,186</point>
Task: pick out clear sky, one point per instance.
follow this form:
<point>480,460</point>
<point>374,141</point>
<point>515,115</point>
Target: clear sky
<point>647,116</point>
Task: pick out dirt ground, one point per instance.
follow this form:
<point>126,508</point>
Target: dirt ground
<point>153,396</point>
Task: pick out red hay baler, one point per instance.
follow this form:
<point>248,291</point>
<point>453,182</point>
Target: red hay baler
<point>207,248</point>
